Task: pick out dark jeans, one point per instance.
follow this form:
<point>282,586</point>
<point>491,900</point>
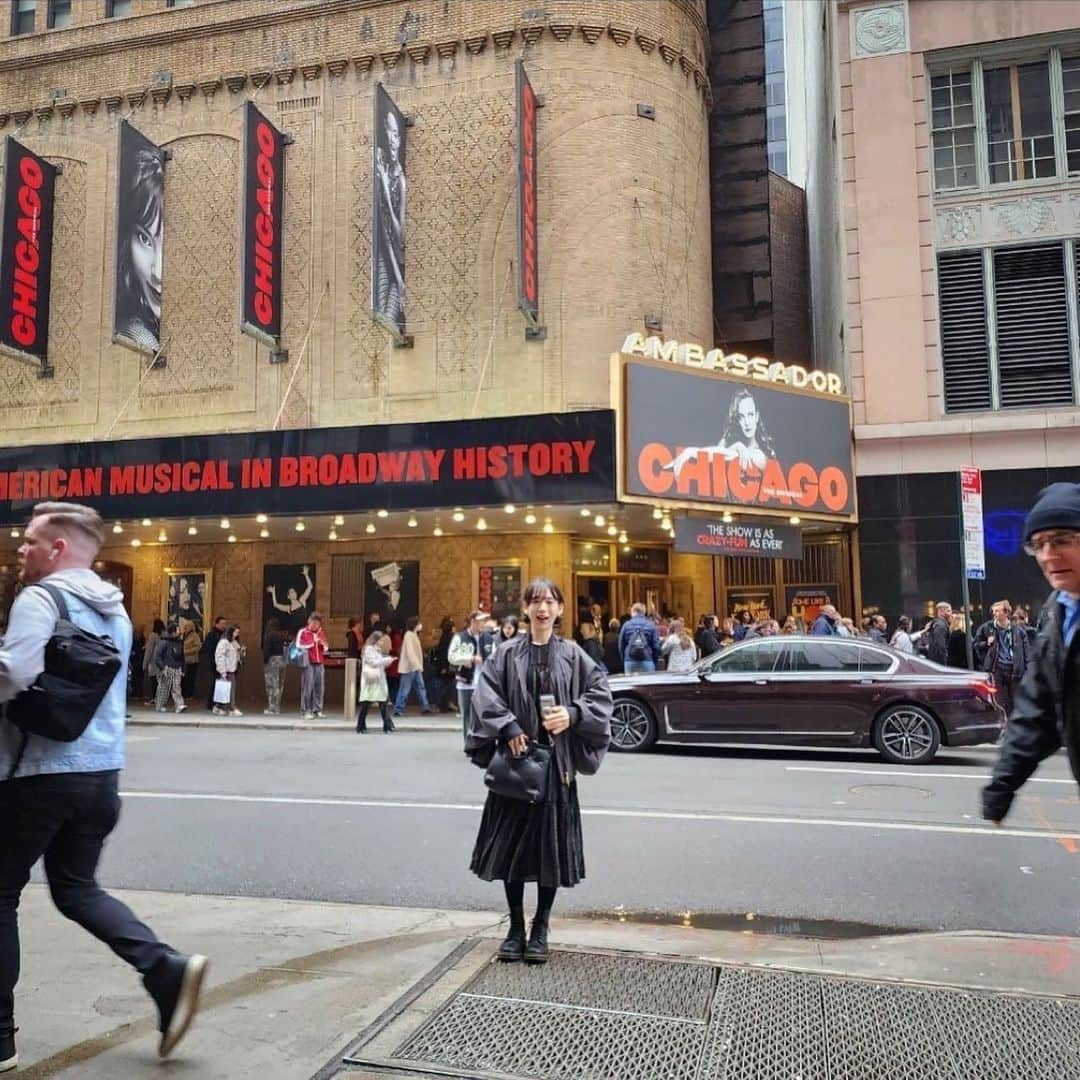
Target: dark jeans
<point>1006,685</point>
<point>65,818</point>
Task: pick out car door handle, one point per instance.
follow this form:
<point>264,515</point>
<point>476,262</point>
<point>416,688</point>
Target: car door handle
<point>866,682</point>
<point>761,682</point>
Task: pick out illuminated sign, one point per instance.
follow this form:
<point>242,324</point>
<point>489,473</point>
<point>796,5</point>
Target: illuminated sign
<point>738,365</point>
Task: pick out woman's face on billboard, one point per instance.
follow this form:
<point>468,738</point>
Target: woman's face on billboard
<point>393,136</point>
<point>748,418</point>
<point>146,264</point>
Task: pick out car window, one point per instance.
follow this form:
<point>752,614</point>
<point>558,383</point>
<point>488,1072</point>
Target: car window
<point>873,660</point>
<point>811,656</point>
<point>757,656</point>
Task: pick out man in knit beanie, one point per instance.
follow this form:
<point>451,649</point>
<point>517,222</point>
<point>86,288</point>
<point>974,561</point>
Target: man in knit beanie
<point>1046,713</point>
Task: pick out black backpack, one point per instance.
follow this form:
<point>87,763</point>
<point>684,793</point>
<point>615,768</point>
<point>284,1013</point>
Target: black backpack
<point>637,648</point>
<point>79,669</point>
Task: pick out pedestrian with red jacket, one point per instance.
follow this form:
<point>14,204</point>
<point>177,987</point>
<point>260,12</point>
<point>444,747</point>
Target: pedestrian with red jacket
<point>312,638</point>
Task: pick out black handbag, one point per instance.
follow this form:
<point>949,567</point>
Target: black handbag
<point>522,778</point>
<point>79,669</point>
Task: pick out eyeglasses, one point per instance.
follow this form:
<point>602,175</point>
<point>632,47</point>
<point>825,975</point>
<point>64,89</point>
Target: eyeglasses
<point>1061,541</point>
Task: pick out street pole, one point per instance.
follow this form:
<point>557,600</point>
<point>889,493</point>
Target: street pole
<point>965,593</point>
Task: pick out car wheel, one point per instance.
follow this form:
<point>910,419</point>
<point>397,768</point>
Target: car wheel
<point>633,726</point>
<point>907,735</point>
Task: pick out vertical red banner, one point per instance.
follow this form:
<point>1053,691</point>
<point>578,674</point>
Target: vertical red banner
<point>528,241</point>
<point>26,251</point>
<point>264,190</point>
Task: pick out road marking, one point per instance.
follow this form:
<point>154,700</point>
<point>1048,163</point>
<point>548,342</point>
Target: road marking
<point>652,815</point>
<point>916,773</point>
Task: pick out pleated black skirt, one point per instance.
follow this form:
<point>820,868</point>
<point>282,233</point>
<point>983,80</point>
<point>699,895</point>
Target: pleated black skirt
<point>541,842</point>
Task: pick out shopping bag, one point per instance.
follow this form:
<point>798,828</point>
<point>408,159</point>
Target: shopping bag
<point>222,692</point>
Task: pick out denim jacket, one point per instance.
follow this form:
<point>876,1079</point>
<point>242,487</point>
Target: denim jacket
<point>96,606</point>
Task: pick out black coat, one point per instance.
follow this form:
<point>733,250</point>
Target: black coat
<point>937,641</point>
<point>986,655</point>
<point>612,656</point>
<point>1045,716</point>
<point>956,649</point>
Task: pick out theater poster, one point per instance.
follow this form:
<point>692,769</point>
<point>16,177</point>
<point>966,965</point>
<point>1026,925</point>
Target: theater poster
<point>391,591</point>
<point>264,176</point>
<point>140,206</point>
<point>26,251</point>
<point>388,215</point>
<point>528,244</point>
<point>288,595</point>
<point>696,437</point>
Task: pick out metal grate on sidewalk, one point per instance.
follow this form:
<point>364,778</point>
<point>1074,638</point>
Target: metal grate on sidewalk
<point>594,1016</point>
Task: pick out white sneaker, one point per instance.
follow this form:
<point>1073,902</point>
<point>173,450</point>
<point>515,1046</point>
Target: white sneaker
<point>320,715</point>
<point>235,712</point>
<point>181,708</point>
<point>309,716</point>
<point>216,711</point>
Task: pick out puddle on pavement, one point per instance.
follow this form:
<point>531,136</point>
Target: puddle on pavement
<point>749,922</point>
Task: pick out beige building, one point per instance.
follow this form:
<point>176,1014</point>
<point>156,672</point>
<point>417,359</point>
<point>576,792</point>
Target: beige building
<point>960,128</point>
<point>623,240</point>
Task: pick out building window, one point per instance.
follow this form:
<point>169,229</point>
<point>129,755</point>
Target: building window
<point>179,3</point>
<point>775,91</point>
<point>117,9</point>
<point>22,16</point>
<point>1019,122</point>
<point>1070,82</point>
<point>952,123</point>
<point>59,14</point>
<point>1005,338</point>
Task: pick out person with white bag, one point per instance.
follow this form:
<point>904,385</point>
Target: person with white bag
<point>227,662</point>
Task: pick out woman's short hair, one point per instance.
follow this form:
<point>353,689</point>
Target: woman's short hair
<point>540,585</point>
<point>613,624</point>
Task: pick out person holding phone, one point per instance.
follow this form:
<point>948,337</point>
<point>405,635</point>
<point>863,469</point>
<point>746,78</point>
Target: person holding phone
<point>537,688</point>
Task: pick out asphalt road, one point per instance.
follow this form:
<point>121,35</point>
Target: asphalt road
<point>714,837</point>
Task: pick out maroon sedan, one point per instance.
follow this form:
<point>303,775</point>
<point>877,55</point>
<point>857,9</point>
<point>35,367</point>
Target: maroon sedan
<point>809,691</point>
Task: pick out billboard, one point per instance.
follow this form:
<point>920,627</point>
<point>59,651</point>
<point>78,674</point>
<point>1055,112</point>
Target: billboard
<point>762,540</point>
<point>26,251</point>
<point>528,259</point>
<point>388,215</point>
<point>140,204</point>
<point>264,176</point>
<point>694,436</point>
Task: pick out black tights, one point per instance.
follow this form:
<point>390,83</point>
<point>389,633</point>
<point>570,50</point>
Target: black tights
<point>361,716</point>
<point>515,898</point>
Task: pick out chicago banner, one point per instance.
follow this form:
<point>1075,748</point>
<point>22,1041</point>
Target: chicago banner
<point>26,251</point>
<point>264,175</point>
<point>528,250</point>
<point>139,228</point>
<point>698,437</point>
<point>388,215</point>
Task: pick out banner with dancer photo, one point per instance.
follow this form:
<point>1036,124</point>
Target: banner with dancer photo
<point>388,215</point>
<point>26,251</point>
<point>140,220</point>
<point>288,594</point>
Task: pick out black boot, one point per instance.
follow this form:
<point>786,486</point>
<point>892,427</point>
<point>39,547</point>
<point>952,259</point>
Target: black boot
<point>513,948</point>
<point>387,723</point>
<point>536,952</point>
<point>361,719</point>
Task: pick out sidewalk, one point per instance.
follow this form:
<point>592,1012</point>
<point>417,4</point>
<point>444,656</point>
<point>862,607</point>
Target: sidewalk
<point>195,716</point>
<point>293,983</point>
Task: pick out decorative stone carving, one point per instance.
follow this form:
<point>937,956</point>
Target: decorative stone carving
<point>284,75</point>
<point>447,49</point>
<point>957,224</point>
<point>4,118</point>
<point>879,30</point>
<point>418,52</point>
<point>363,64</point>
<point>184,90</point>
<point>699,78</point>
<point>390,58</point>
<point>503,38</point>
<point>685,63</point>
<point>475,45</point>
<point>112,100</point>
<point>259,79</point>
<point>1025,217</point>
<point>561,31</point>
<point>234,80</point>
<point>311,70</point>
<point>619,34</point>
<point>209,85</point>
<point>645,42</point>
<point>668,52</point>
<point>44,110</point>
<point>89,105</point>
<point>532,34</point>
<point>160,93</point>
<point>591,32</point>
<point>66,107</point>
<point>337,67</point>
<point>135,96</point>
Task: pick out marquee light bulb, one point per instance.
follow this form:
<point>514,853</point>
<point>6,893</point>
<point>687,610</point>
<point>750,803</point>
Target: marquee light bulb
<point>300,526</point>
<point>413,523</point>
<point>136,542</point>
<point>481,524</point>
<point>264,533</point>
<point>333,534</point>
<point>370,527</point>
<point>585,512</point>
<point>548,527</point>
<point>193,530</point>
<point>232,538</point>
<point>438,530</point>
<point>599,520</point>
<point>383,513</point>
<point>261,519</point>
<point>666,524</point>
<point>162,538</point>
<point>15,534</point>
<point>339,520</point>
<point>612,530</point>
<point>794,519</point>
<point>657,513</point>
<point>728,519</point>
<point>459,516</point>
<point>530,519</point>
<point>225,523</point>
<point>118,528</point>
<point>510,508</point>
<point>622,538</point>
<point>147,523</point>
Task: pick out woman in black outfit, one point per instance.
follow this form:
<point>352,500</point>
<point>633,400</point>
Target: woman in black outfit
<point>612,656</point>
<point>521,841</point>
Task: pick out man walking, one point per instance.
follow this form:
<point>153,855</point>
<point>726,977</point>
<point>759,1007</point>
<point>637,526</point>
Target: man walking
<point>1046,710</point>
<point>60,800</point>
<point>411,668</point>
<point>827,623</point>
<point>937,634</point>
<point>466,656</point>
<point>639,643</point>
<point>877,630</point>
<point>169,661</point>
<point>1001,648</point>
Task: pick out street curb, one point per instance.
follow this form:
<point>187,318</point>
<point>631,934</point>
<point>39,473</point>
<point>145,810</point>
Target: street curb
<point>269,725</point>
